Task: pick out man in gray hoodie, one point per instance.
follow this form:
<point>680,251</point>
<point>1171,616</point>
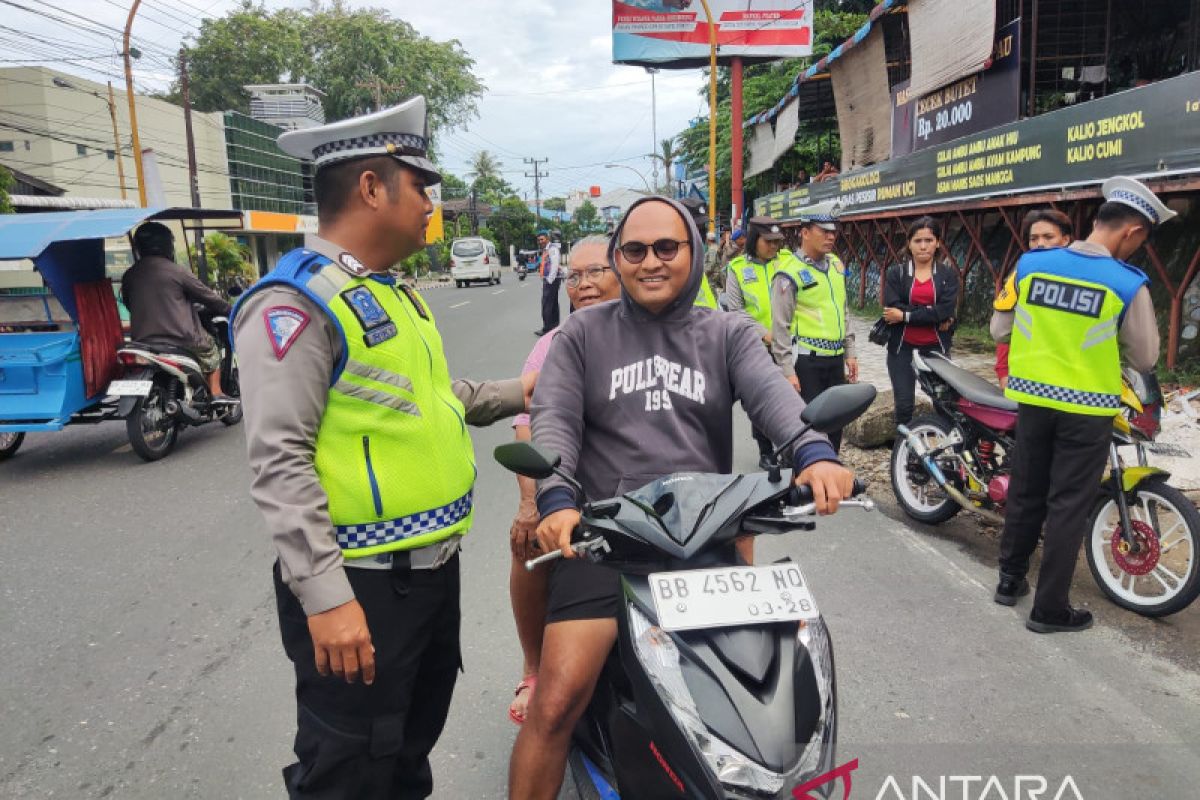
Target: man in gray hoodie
<point>632,390</point>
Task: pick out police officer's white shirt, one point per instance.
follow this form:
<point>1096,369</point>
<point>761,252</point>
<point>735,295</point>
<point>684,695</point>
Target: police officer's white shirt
<point>284,400</point>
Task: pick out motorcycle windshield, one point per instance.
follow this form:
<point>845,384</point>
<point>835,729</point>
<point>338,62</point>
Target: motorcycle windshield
<point>682,503</point>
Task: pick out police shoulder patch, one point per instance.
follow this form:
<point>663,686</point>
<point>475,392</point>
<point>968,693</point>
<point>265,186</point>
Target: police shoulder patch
<point>284,326</point>
<point>1007,299</point>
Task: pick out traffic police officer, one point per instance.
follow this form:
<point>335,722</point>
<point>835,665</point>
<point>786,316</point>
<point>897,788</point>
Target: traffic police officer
<point>362,464</point>
<point>706,298</point>
<point>809,312</point>
<point>748,289</point>
<point>1079,311</point>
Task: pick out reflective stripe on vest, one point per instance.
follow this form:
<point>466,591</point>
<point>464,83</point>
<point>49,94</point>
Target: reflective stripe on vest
<point>1064,351</point>
<point>755,281</point>
<point>706,298</point>
<point>392,451</point>
<point>818,322</point>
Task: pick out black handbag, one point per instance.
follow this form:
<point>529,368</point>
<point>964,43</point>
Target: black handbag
<point>879,332</point>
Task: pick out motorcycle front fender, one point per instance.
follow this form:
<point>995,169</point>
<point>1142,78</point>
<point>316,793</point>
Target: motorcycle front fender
<point>1133,477</point>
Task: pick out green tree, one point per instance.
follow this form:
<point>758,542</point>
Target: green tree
<point>223,60</point>
<point>228,260</point>
<point>587,217</point>
<point>669,152</point>
<point>340,50</point>
<point>762,86</point>
<point>555,204</point>
<point>492,190</point>
<point>512,223</point>
<point>454,187</point>
<point>6,186</point>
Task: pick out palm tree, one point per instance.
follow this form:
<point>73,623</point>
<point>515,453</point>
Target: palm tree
<point>668,154</point>
<point>484,165</point>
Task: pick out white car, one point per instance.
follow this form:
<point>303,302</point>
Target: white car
<point>474,259</point>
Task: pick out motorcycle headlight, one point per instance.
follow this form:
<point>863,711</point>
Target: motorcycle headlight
<point>660,657</point>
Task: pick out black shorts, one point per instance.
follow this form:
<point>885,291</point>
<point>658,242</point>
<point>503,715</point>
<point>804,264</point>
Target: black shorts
<point>582,589</point>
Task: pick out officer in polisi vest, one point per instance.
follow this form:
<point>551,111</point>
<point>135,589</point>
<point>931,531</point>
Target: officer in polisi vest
<point>748,290</point>
<point>362,465</point>
<point>810,336</point>
<point>1080,311</point>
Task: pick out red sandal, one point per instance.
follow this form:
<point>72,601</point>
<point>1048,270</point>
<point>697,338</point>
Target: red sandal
<point>529,682</point>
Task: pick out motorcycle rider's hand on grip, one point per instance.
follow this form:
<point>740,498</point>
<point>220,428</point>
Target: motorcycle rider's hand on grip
<point>342,643</point>
<point>829,483</point>
<point>555,531</point>
<point>801,494</point>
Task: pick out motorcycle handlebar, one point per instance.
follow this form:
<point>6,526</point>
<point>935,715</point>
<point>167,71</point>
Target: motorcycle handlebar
<point>803,494</point>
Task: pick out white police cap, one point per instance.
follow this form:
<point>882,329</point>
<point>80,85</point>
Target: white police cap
<point>400,131</point>
<point>823,215</point>
<point>1137,196</point>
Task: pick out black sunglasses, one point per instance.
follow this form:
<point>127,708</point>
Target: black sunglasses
<point>664,250</point>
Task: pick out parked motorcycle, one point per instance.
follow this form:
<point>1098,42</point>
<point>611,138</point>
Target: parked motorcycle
<point>721,684</point>
<point>1142,532</point>
<point>164,390</point>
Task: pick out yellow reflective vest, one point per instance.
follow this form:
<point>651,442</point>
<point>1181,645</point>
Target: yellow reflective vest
<point>819,322</point>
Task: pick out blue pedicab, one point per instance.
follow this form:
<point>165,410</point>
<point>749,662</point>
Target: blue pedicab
<point>63,356</point>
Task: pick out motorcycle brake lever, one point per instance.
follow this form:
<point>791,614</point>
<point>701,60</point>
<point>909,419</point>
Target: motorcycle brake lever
<point>589,548</point>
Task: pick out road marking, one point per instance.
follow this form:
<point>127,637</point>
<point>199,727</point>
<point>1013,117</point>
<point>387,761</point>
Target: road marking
<point>915,542</point>
<point>460,305</point>
<point>501,291</point>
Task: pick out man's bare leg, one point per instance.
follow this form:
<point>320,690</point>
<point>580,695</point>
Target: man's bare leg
<point>527,591</point>
<point>573,655</point>
<point>745,548</point>
<point>214,384</point>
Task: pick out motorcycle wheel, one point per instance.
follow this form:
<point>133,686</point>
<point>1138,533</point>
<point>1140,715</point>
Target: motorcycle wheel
<point>1164,576</point>
<point>915,490</point>
<point>152,433</point>
<point>9,444</point>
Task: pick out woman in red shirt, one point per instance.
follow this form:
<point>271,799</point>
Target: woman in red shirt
<point>1042,228</point>
<point>920,298</point>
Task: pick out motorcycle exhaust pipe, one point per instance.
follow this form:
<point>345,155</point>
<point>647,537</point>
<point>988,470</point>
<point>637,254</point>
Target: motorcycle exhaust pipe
<point>922,452</point>
<point>183,411</point>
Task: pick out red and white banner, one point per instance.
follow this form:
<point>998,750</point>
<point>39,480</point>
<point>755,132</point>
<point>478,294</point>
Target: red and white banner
<point>663,32</point>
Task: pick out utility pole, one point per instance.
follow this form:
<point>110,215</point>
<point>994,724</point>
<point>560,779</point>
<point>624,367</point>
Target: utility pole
<point>537,175</point>
<point>131,97</point>
<point>654,127</point>
<point>112,112</point>
<point>377,86</point>
<point>193,177</point>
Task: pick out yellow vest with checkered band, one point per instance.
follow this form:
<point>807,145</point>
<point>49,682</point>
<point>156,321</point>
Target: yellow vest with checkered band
<point>392,451</point>
<point>706,298</point>
<point>1064,350</point>
<point>819,323</point>
<point>755,279</point>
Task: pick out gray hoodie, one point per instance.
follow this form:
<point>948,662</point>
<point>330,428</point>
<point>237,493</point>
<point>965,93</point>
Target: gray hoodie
<point>627,396</point>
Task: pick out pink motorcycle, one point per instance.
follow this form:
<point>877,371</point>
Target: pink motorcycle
<point>1143,533</point>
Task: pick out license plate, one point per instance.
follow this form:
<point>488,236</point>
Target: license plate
<point>1168,450</point>
<point>717,598</point>
<point>138,388</point>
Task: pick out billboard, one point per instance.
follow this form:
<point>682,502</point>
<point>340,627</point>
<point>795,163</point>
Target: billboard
<point>1140,132</point>
<point>674,33</point>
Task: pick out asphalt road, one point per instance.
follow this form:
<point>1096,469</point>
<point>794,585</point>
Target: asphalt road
<point>141,659</point>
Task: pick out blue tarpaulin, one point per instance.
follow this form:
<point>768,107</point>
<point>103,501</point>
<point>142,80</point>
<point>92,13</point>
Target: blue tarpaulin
<point>28,235</point>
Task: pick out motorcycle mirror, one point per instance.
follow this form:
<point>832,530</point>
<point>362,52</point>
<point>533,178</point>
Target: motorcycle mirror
<point>838,406</point>
<point>526,458</point>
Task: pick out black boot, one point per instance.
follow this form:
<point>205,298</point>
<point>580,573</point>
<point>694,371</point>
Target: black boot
<point>1073,619</point>
<point>1010,588</point>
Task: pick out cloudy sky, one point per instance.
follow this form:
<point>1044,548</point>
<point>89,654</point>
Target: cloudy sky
<point>552,89</point>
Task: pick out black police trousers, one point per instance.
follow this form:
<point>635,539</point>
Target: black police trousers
<point>357,742</point>
<point>816,374</point>
<point>1056,473</point>
<point>550,307</point>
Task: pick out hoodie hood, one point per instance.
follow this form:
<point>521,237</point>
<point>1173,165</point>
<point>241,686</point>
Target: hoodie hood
<point>681,306</point>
